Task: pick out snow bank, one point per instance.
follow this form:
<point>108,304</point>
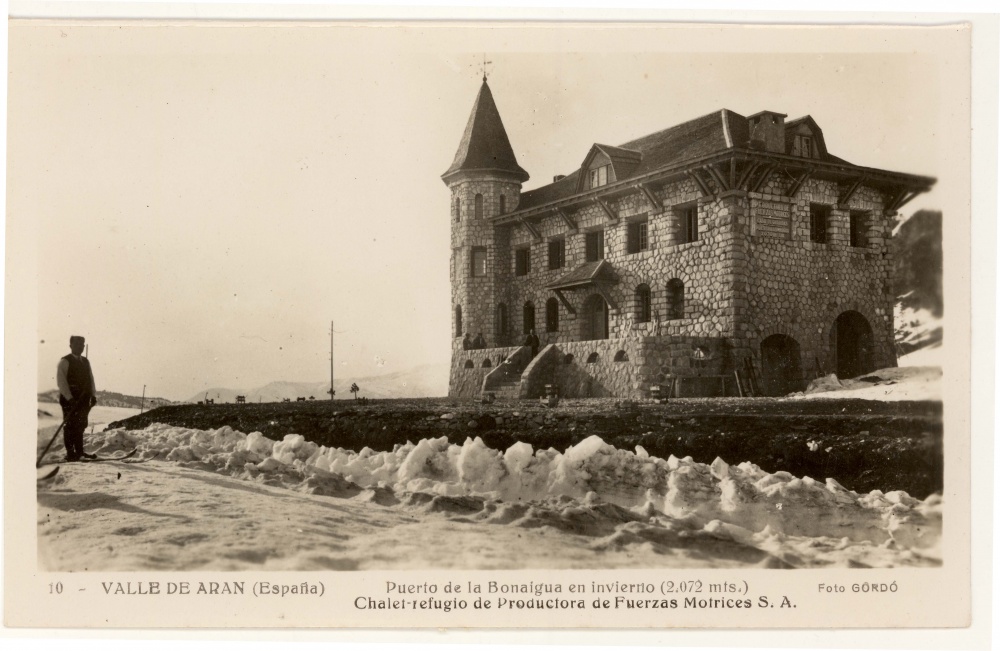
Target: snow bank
<point>775,512</point>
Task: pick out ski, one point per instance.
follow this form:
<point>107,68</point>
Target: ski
<point>50,474</point>
<point>119,458</point>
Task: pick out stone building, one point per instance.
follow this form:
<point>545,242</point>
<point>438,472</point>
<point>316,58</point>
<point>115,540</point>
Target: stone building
<point>673,260</point>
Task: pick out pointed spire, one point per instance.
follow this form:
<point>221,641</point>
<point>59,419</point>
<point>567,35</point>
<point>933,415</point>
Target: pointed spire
<point>484,146</point>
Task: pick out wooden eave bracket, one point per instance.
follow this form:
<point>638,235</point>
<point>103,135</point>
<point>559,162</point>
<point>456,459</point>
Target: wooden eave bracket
<point>562,299</point>
<point>797,184</point>
<point>717,176</point>
<point>702,186</point>
<point>569,221</point>
<point>650,197</point>
<point>531,229</point>
<point>606,295</point>
<point>744,181</point>
<point>900,199</point>
<point>608,210</point>
<point>764,177</point>
<point>846,197</point>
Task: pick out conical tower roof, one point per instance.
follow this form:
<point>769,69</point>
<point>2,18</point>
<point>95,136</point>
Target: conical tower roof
<point>484,146</point>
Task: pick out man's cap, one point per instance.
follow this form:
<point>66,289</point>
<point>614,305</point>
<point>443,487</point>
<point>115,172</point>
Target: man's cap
<point>76,339</point>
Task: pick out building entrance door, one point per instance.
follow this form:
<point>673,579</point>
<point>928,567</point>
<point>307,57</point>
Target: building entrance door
<point>780,366</point>
<point>852,341</point>
<point>595,318</point>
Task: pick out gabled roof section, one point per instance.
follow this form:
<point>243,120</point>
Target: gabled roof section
<point>623,161</point>
<point>586,274</point>
<point>484,146</point>
<point>705,135</point>
<point>817,134</point>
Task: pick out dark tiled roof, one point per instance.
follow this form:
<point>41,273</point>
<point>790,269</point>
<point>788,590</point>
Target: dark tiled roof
<point>687,141</point>
<point>619,152</point>
<point>585,274</point>
<point>484,145</point>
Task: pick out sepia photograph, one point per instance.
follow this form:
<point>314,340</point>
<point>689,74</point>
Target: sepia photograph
<point>352,298</point>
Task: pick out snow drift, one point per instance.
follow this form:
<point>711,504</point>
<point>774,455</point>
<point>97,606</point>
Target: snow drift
<point>593,488</point>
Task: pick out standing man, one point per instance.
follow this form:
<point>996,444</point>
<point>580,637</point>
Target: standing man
<point>532,342</point>
<point>77,394</point>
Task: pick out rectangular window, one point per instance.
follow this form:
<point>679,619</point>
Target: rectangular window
<point>595,246</point>
<point>599,176</point>
<point>804,146</point>
<point>819,216</point>
<point>478,262</point>
<point>522,262</point>
<point>557,254</point>
<point>687,216</point>
<point>859,228</point>
<point>638,236</point>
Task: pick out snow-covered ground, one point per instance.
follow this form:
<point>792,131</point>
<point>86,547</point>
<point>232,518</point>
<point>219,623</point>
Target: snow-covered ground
<point>903,383</point>
<point>223,500</point>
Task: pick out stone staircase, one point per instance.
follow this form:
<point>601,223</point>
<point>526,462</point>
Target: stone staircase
<point>508,389</point>
<point>504,381</point>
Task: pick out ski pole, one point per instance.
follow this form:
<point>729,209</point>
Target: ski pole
<point>59,429</point>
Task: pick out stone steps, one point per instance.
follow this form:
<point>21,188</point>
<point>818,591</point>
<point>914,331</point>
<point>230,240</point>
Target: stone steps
<point>509,389</point>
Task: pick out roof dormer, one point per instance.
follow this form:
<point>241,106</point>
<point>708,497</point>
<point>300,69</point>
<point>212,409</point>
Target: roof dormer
<point>605,164</point>
<point>804,138</point>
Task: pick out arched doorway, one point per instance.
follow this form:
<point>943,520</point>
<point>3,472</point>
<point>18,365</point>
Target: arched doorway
<point>781,368</point>
<point>852,344</point>
<point>501,324</point>
<point>595,318</point>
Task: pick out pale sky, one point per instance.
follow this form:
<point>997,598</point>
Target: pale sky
<point>204,200</point>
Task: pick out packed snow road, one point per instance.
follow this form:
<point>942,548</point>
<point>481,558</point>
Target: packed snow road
<point>221,499</point>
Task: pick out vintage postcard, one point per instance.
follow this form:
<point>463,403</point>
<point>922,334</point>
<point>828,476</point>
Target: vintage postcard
<point>490,325</point>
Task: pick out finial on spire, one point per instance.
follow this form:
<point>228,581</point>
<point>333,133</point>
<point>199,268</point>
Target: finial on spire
<point>485,63</point>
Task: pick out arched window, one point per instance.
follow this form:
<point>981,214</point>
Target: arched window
<point>552,315</point>
<point>502,324</point>
<point>675,299</point>
<point>469,364</point>
<point>458,209</point>
<point>529,317</point>
<point>593,358</point>
<point>479,206</point>
<point>458,321</point>
<point>503,204</point>
<point>568,359</point>
<point>487,363</point>
<point>643,304</point>
<point>621,356</point>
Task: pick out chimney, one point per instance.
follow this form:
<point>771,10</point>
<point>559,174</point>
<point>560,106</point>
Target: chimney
<point>767,131</point>
<point>558,177</point>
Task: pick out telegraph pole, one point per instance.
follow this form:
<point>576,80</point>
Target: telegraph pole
<point>142,404</point>
<point>331,360</point>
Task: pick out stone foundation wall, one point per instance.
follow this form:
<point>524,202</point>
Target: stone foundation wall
<point>647,361</point>
<point>578,378</point>
<point>467,382</point>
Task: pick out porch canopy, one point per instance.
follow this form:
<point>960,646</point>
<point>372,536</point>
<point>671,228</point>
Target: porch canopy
<point>597,276</point>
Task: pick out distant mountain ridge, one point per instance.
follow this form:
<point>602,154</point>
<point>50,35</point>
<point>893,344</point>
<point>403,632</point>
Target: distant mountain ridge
<point>425,381</point>
<point>113,399</point>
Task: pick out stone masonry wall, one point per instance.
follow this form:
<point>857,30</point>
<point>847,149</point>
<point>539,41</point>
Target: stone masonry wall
<point>704,266</point>
<point>798,288</point>
<point>647,361</point>
<point>752,273</point>
<point>466,382</point>
<point>477,296</point>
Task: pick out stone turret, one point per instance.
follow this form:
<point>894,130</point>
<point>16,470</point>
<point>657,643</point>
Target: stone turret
<point>485,181</point>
